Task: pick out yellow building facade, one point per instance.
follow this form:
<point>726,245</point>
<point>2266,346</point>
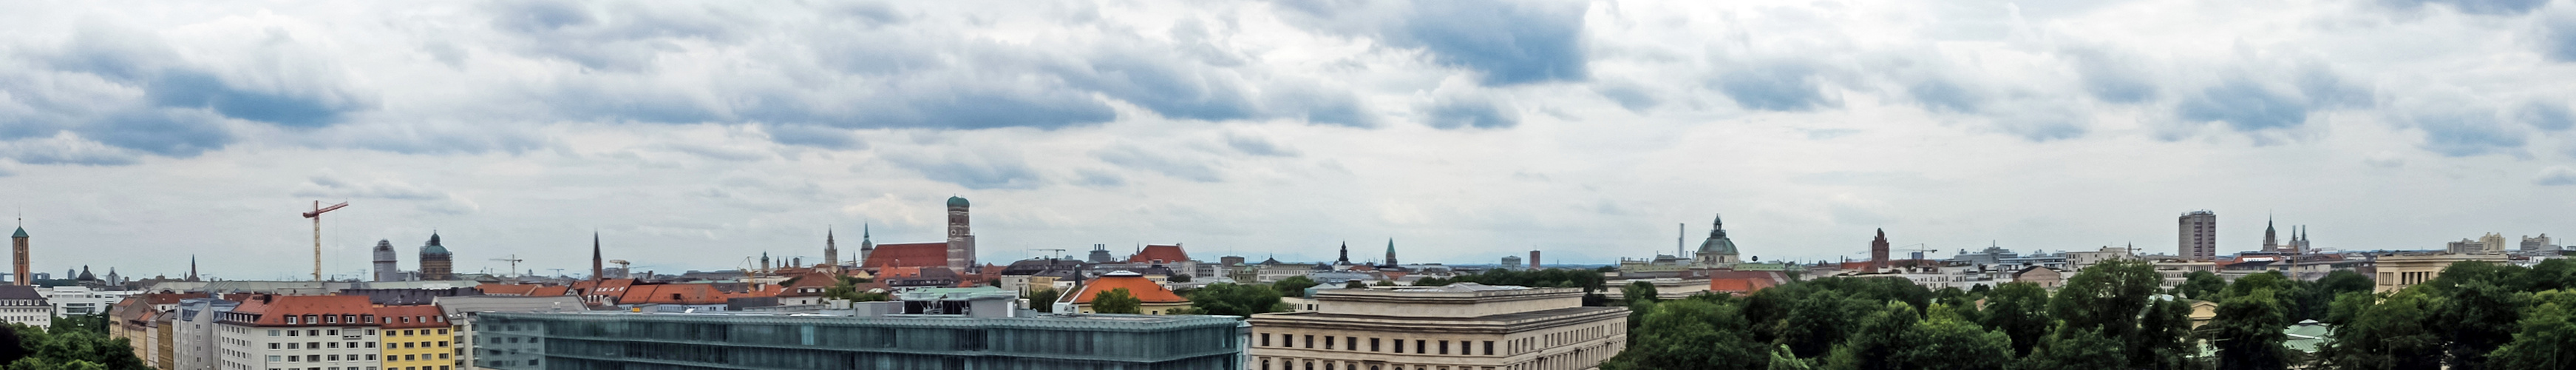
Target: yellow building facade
<point>415,338</point>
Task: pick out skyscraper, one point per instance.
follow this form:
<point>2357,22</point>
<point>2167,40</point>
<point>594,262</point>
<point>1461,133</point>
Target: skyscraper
<point>435,263</point>
<point>961,239</point>
<point>2199,236</point>
<point>386,269</point>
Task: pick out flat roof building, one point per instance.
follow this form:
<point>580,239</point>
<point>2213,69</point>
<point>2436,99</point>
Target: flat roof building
<point>591,340</point>
<point>1459,326</point>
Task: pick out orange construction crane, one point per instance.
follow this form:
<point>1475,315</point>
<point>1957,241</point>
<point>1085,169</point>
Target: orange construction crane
<point>316,215</point>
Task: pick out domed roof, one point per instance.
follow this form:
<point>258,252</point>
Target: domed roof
<point>433,247</point>
<point>956,201</point>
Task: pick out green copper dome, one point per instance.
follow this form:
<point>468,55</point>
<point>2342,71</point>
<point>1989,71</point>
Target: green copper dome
<point>956,202</point>
<point>433,247</point>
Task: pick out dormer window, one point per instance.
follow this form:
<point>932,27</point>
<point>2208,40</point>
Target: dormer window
<point>371,319</point>
<point>290,320</point>
<point>331,319</point>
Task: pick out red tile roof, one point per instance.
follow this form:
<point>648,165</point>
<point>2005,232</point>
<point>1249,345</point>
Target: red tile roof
<point>1160,254</point>
<point>506,289</point>
<point>907,255</point>
<point>672,294</point>
<point>1739,286</point>
<point>1145,290</point>
<point>409,317</point>
<point>273,310</point>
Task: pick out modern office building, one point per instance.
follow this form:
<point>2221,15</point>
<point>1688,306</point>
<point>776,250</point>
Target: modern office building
<point>1464,326</point>
<point>736,340</point>
<point>2199,236</point>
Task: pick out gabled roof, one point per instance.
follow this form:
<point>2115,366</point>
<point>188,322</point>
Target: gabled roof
<point>907,255</point>
<point>507,289</point>
<point>19,292</point>
<point>1160,254</point>
<point>1145,290</point>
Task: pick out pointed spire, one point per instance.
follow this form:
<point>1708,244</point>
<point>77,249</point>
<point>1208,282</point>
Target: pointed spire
<point>1390,245</point>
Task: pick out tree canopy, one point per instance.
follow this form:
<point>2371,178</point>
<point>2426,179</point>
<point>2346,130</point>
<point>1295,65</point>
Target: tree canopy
<point>1116,301</point>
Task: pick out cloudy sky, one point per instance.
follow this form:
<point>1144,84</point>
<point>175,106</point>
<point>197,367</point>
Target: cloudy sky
<point>692,135</point>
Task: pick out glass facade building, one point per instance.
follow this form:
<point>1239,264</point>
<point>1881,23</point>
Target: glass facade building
<point>532,341</point>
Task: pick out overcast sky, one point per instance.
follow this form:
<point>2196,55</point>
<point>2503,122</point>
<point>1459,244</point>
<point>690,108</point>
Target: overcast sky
<point>692,135</point>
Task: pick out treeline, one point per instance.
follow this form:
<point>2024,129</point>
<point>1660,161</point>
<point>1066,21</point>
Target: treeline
<point>2474,316</point>
<point>77,342</point>
<point>2113,315</point>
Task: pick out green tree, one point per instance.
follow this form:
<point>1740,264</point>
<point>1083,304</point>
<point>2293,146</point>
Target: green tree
<point>1235,300</point>
<point>2316,300</point>
<point>1294,286</point>
<point>2020,311</point>
<point>2073,349</point>
<point>74,348</point>
<point>848,288</point>
<point>2477,316</point>
<point>1896,337</point>
<point>2548,336</point>
<point>1820,321</point>
<point>1044,299</point>
<point>2397,333</point>
<point>1782,359</point>
<point>1692,334</point>
<point>1639,291</point>
<point>2112,298</point>
<point>2247,331</point>
<point>1116,301</point>
<point>2201,285</point>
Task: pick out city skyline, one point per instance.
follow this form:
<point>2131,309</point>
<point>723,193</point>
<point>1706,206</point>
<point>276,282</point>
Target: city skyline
<point>136,137</point>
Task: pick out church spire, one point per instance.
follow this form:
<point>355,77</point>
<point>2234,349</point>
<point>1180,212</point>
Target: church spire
<point>597,271</point>
<point>1346,255</point>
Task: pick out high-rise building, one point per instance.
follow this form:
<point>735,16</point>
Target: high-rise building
<point>18,246</point>
<point>2492,243</point>
<point>1878,252</point>
<point>1462,326</point>
<point>961,239</point>
<point>386,267</point>
<point>2199,236</point>
<point>1511,262</point>
<point>1533,259</point>
<point>435,263</point>
<point>2532,244</point>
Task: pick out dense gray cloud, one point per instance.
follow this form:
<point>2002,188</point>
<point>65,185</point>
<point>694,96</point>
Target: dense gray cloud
<point>1776,86</point>
<point>2557,34</point>
<point>1470,110</point>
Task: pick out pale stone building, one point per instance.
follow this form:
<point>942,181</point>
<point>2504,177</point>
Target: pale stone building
<point>1463,326</point>
<point>2401,271</point>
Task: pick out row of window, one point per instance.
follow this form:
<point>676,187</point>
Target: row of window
<point>1312,364</point>
<point>317,332</point>
<point>1420,346</point>
<point>318,345</point>
<point>407,332</point>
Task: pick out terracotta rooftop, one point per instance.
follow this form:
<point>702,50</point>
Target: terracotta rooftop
<point>1145,290</point>
<point>328,310</point>
<point>1160,254</point>
<point>907,255</point>
<point>672,294</point>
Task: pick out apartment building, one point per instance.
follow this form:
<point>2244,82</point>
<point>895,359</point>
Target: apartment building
<point>277,332</point>
<point>415,338</point>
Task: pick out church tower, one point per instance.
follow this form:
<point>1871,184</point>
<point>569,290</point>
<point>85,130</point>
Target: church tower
<point>192,268</point>
<point>597,270</point>
<point>1390,252</point>
<point>831,250</point>
<point>386,267</point>
<point>866,246</point>
<point>961,240</point>
<point>1346,255</point>
<point>18,246</point>
<point>2271,240</point>
<point>1878,252</point>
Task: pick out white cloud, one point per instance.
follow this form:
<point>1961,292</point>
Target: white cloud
<point>1585,129</point>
